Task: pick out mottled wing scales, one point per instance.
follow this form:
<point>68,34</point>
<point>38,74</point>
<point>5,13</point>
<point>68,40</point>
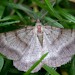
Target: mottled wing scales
<point>61,48</point>
<point>12,46</point>
<point>52,33</point>
<point>32,54</point>
<point>57,62</point>
<point>25,34</point>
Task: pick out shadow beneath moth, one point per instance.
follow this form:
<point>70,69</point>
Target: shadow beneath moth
<point>25,46</point>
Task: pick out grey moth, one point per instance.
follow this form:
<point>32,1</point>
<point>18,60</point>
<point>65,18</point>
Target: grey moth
<point>25,46</point>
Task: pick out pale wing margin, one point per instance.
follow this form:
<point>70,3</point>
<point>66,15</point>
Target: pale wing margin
<point>11,46</point>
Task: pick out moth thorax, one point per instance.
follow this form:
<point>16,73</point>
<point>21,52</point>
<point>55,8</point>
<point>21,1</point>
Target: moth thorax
<point>40,34</point>
<point>39,29</point>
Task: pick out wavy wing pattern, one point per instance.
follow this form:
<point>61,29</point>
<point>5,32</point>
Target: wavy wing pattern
<point>25,46</point>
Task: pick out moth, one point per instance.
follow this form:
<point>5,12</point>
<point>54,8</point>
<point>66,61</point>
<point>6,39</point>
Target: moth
<point>25,46</point>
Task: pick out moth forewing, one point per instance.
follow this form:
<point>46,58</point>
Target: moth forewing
<point>5,49</point>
